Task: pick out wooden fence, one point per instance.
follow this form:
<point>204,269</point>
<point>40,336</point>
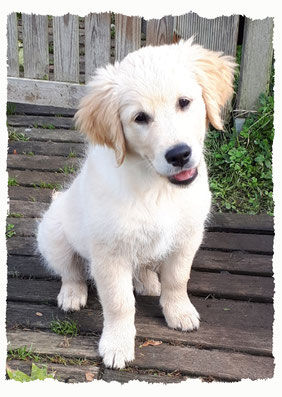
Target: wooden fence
<point>50,58</point>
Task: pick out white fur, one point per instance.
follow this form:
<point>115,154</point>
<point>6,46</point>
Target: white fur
<point>128,222</point>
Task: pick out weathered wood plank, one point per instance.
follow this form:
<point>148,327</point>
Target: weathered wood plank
<point>66,48</point>
<point>217,241</point>
<point>256,62</point>
<point>25,108</point>
<point>241,222</point>
<point>42,163</point>
<point>127,35</point>
<point>35,45</point>
<point>218,34</point>
<point>62,373</point>
<point>149,376</point>
<point>53,344</point>
<point>219,285</point>
<point>225,324</point>
<point>12,42</point>
<point>235,262</point>
<point>40,121</point>
<point>47,93</point>
<point>191,361</point>
<point>160,31</point>
<point>97,42</point>
<point>45,148</point>
<point>259,243</point>
<point>50,134</point>
<point>28,266</point>
<point>26,208</point>
<point>29,194</point>
<point>41,179</point>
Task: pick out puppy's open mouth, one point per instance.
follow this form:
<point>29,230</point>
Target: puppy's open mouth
<point>184,177</point>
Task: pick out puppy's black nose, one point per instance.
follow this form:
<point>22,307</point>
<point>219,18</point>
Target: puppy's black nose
<point>178,155</point>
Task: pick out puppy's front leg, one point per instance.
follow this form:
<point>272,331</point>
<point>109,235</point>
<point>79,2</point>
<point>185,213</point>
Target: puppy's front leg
<point>114,284</point>
<point>175,273</point>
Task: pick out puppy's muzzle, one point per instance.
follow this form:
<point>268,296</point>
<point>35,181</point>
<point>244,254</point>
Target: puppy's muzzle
<point>179,155</point>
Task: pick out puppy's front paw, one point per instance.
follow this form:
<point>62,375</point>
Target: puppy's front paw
<point>182,316</point>
<point>117,349</point>
<point>73,296</point>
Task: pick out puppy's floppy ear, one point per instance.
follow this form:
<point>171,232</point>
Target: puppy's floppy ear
<point>98,114</point>
<point>215,74</point>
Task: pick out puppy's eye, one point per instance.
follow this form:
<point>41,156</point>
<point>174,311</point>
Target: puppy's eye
<point>183,103</point>
<point>142,118</point>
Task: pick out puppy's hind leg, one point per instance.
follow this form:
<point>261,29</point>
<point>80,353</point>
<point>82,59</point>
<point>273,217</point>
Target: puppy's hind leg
<point>63,261</point>
<point>146,282</point>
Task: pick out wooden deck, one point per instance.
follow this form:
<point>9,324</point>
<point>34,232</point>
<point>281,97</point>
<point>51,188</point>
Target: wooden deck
<point>231,284</point>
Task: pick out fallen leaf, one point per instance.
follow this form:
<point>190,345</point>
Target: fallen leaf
<point>15,152</point>
<point>39,314</point>
<point>151,342</point>
<point>89,376</point>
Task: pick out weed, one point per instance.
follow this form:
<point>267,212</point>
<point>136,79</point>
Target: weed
<point>68,169</point>
<point>46,185</point>
<point>15,215</point>
<point>240,165</point>
<point>22,353</point>
<point>17,136</point>
<point>66,327</point>
<point>13,182</point>
<point>10,230</point>
<point>37,373</point>
<point>48,126</point>
<point>11,108</point>
<point>71,154</point>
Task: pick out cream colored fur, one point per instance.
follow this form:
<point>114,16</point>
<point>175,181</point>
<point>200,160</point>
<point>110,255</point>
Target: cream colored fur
<point>122,221</point>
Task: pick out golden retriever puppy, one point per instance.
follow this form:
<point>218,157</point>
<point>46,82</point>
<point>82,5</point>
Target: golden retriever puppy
<point>134,216</point>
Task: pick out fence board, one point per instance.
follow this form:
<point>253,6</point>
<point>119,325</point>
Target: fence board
<point>127,35</point>
<point>35,46</point>
<point>256,62</point>
<point>159,31</point>
<point>97,42</point>
<point>48,93</point>
<point>218,34</point>
<point>12,52</point>
<point>66,48</point>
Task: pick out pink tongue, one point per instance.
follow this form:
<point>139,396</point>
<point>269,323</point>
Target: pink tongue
<point>182,176</point>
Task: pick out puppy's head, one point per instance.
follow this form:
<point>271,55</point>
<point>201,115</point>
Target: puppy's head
<point>98,114</point>
<point>156,104</point>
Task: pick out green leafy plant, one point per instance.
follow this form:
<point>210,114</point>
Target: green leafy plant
<point>13,182</point>
<point>37,373</point>
<point>10,230</point>
<point>66,327</point>
<point>240,165</point>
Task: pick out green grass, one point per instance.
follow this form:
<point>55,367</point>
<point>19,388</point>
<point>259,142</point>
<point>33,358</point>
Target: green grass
<point>66,327</point>
<point>10,230</point>
<point>12,182</point>
<point>22,353</point>
<point>15,215</point>
<point>240,165</point>
<point>67,169</point>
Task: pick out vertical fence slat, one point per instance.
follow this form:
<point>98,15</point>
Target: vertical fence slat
<point>256,62</point>
<point>12,51</point>
<point>97,42</point>
<point>159,31</point>
<point>35,46</point>
<point>218,34</point>
<point>66,48</point>
<point>127,35</point>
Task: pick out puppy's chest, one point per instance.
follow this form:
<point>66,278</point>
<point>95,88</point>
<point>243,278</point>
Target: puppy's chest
<point>149,236</point>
